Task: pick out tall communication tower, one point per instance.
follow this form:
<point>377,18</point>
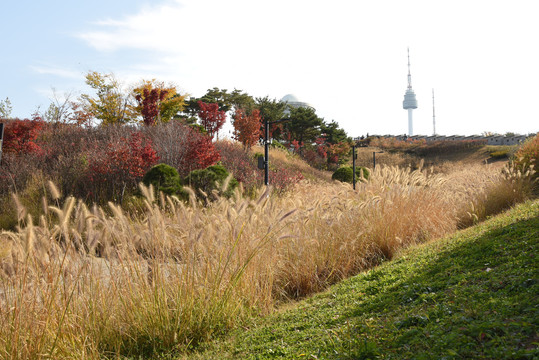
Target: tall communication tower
<point>410,102</point>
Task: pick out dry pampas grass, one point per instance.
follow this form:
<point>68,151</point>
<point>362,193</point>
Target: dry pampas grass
<point>91,282</point>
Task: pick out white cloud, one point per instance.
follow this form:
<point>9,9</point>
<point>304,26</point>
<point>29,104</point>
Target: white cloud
<point>56,71</point>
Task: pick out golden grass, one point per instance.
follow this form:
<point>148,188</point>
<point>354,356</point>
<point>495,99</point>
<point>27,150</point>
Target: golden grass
<point>386,158</point>
<point>83,284</point>
<point>286,159</point>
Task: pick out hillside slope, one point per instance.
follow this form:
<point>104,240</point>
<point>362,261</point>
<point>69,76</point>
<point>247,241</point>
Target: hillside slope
<point>436,157</point>
<point>470,295</point>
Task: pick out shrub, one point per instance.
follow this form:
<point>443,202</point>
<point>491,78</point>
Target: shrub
<point>360,170</point>
<point>500,154</point>
<point>101,163</point>
<point>212,178</point>
<point>343,174</point>
<point>65,156</point>
<point>17,170</point>
<point>119,166</point>
<point>25,201</point>
<point>315,157</point>
<point>527,158</point>
<point>182,147</point>
<point>164,178</point>
<point>240,163</point>
<point>20,135</point>
<point>202,152</point>
<point>282,179</point>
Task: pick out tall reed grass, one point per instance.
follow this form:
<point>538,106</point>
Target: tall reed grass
<point>83,282</point>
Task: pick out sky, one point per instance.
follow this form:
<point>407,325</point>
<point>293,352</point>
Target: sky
<point>347,58</point>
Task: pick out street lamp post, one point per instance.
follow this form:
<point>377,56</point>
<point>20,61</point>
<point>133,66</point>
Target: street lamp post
<point>266,152</point>
<point>265,165</point>
<point>354,157</point>
<point>1,140</point>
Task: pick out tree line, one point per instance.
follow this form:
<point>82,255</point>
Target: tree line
<point>153,102</point>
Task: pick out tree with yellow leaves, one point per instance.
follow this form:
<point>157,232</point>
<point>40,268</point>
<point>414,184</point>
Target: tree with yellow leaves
<point>112,105</point>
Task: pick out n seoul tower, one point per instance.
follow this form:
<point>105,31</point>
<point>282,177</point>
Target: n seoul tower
<point>410,102</point>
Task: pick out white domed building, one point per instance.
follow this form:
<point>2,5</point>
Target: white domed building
<point>294,102</point>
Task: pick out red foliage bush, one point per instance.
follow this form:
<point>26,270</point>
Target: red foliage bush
<point>201,151</point>
<point>126,157</point>
<point>296,145</point>
<point>20,135</point>
<point>282,178</point>
<point>321,154</point>
<point>119,165</point>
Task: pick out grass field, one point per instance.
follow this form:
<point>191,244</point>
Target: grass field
<point>471,295</point>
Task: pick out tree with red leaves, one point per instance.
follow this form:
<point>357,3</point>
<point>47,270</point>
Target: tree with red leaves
<point>157,101</point>
<point>296,145</point>
<point>202,152</point>
<point>247,128</point>
<point>149,102</point>
<point>211,118</point>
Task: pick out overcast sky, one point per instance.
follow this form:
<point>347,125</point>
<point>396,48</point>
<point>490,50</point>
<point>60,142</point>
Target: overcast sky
<point>347,58</point>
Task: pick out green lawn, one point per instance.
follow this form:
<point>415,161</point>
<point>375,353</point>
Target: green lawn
<point>473,295</point>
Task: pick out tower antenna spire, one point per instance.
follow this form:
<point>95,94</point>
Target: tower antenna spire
<point>409,73</point>
<point>433,115</point>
